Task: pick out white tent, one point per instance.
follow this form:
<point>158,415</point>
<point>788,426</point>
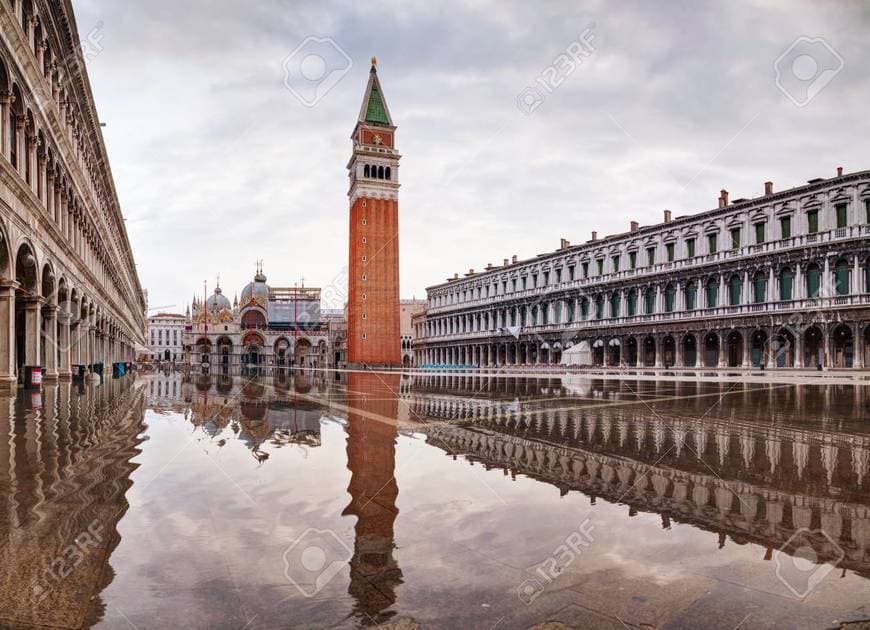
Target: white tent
<point>578,354</point>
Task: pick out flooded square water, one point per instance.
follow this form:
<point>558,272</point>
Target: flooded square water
<point>335,499</point>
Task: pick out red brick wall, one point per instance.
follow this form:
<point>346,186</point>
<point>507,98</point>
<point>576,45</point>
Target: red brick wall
<point>375,339</point>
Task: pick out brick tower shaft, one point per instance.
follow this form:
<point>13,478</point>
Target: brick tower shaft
<point>373,323</point>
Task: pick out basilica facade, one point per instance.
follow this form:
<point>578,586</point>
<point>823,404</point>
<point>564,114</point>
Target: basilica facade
<point>264,326</point>
<point>780,281</point>
<point>69,292</point>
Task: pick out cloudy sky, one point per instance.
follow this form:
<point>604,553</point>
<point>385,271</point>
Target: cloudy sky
<point>508,144</point>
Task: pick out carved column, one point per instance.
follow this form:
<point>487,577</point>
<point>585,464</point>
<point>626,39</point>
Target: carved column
<point>799,348</point>
<point>21,145</point>
<point>7,334</point>
<point>747,349</point>
<point>32,331</point>
<point>49,314</point>
<point>64,344</point>
<point>5,112</point>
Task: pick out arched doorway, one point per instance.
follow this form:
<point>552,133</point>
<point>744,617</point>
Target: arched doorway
<point>758,348</point>
<point>224,350</point>
<point>649,352</point>
<point>669,351</point>
<point>282,352</point>
<point>598,352</point>
<point>302,355</point>
<point>614,352</point>
<point>203,347</point>
<point>690,350</point>
<point>631,352</point>
<point>735,348</point>
<point>814,348</point>
<point>252,349</point>
<point>783,348</point>
<point>27,319</point>
<point>843,347</point>
<point>711,350</point>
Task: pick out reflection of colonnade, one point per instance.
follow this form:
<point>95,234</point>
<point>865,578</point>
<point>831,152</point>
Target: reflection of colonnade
<point>371,459</point>
<point>757,482</point>
<point>65,465</point>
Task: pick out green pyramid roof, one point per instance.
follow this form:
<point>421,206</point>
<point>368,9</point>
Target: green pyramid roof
<point>375,110</point>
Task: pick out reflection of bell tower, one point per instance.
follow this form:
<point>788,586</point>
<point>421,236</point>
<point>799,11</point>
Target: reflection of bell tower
<point>373,330</point>
<point>371,459</point>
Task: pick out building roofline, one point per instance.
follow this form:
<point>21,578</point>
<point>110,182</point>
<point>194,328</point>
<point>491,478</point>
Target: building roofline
<point>736,206</point>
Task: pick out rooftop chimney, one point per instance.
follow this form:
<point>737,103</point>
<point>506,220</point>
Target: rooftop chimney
<point>667,216</point>
<point>768,188</point>
<point>594,235</point>
<point>514,258</point>
<point>488,266</point>
<point>839,171</point>
<point>564,243</point>
<point>634,226</point>
<point>723,198</point>
<point>471,272</point>
<point>505,263</point>
<point>456,276</point>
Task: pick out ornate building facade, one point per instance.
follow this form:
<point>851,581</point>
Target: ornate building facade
<point>373,276</point>
<point>166,336</point>
<point>408,309</point>
<point>266,326</point>
<point>69,291</point>
<point>781,280</point>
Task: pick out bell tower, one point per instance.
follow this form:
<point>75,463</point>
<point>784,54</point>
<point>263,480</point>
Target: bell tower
<point>373,268</point>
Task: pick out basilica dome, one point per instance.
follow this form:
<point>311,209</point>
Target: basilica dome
<point>218,301</point>
<point>257,291</point>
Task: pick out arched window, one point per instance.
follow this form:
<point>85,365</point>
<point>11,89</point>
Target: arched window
<point>366,171</point>
<point>786,284</point>
<point>599,307</point>
<point>841,277</point>
<point>380,172</point>
<point>712,292</point>
<point>545,314</point>
<point>759,288</point>
<point>670,298</point>
<point>649,299</point>
<point>584,309</point>
<point>614,305</point>
<point>632,302</point>
<point>691,296</point>
<point>814,281</point>
<point>867,276</point>
<point>388,173</point>
<point>735,286</point>
<point>571,311</point>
